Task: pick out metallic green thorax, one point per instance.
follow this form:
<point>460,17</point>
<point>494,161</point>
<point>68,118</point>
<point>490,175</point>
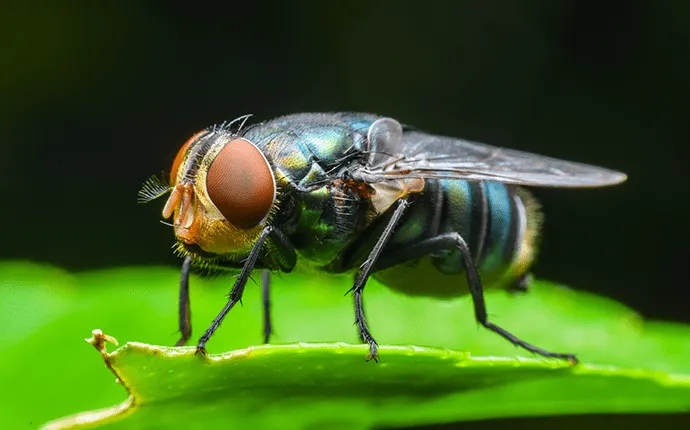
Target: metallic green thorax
<point>334,227</point>
<point>307,153</point>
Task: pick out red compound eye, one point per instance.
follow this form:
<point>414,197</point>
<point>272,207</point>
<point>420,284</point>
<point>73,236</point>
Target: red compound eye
<point>241,184</point>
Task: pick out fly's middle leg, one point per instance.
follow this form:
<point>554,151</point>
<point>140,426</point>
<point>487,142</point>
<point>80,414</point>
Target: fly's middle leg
<point>359,332</point>
<point>363,275</point>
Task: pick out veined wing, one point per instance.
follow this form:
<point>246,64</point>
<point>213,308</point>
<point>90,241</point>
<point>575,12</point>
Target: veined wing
<point>395,154</point>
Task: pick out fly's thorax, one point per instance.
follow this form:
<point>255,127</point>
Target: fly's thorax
<point>223,190</point>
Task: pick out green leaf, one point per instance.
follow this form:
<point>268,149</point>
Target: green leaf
<point>458,371</point>
<point>326,385</point>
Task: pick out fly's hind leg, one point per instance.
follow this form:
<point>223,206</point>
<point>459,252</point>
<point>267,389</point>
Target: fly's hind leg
<point>449,241</point>
<point>522,284</point>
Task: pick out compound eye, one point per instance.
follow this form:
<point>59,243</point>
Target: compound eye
<point>180,156</point>
<point>240,183</point>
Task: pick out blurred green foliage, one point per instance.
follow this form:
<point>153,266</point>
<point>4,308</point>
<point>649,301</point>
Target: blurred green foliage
<point>53,373</point>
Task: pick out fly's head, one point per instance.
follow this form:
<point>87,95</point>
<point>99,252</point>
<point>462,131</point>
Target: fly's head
<point>222,189</point>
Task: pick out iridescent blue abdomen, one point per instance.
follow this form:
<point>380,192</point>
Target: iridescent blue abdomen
<point>499,222</point>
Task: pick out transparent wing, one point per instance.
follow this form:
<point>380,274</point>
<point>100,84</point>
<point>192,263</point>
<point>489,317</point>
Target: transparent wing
<point>395,154</point>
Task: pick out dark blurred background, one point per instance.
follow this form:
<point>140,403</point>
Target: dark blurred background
<point>97,96</point>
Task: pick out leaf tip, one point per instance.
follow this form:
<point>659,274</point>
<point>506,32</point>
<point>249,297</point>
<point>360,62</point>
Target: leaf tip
<point>99,339</point>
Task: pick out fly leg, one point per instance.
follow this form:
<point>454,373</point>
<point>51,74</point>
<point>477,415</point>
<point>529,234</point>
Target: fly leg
<point>363,275</point>
<point>359,332</point>
<point>235,295</point>
<point>521,284</point>
<point>184,309</point>
<point>448,241</point>
<point>266,301</point>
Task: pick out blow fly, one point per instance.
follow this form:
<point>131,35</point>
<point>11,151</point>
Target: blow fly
<point>360,193</point>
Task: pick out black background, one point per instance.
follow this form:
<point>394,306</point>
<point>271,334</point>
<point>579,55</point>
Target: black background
<point>97,96</point>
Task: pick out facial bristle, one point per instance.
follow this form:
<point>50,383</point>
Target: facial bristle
<point>153,188</point>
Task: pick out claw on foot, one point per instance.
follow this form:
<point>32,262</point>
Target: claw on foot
<point>373,352</point>
<point>374,357</point>
<point>200,350</point>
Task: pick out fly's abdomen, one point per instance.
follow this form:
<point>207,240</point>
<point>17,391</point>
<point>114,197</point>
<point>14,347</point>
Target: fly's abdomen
<point>499,223</point>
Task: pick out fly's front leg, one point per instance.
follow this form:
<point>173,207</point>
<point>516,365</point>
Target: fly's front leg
<point>363,275</point>
<point>236,293</point>
<point>185,313</point>
<point>449,241</point>
<point>266,301</point>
